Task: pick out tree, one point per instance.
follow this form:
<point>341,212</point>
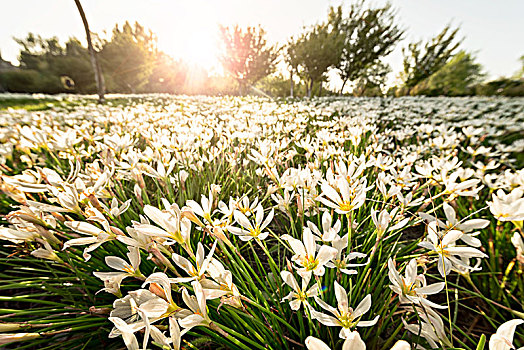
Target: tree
<point>317,50</point>
<point>368,35</point>
<point>455,77</point>
<point>246,55</point>
<point>293,60</point>
<point>50,61</point>
<point>421,62</point>
<point>37,51</point>
<point>168,75</point>
<point>100,83</point>
<point>128,57</point>
<point>372,80</point>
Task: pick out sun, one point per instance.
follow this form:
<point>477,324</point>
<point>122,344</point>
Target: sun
<point>196,41</point>
<point>201,49</point>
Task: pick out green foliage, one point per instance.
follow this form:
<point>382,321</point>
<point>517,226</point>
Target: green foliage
<point>316,51</point>
<point>501,87</point>
<point>277,86</point>
<point>422,62</point>
<point>23,81</point>
<point>482,342</point>
<point>127,59</point>
<point>51,60</point>
<point>292,59</point>
<point>246,55</point>
<point>38,297</point>
<point>167,76</point>
<point>352,44</point>
<point>372,80</point>
<point>455,78</point>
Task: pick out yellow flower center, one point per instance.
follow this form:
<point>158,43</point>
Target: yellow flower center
<point>310,263</point>
<point>300,296</point>
<point>442,251</point>
<point>347,320</point>
<point>408,289</point>
<point>346,206</point>
<point>256,232</point>
<point>339,264</point>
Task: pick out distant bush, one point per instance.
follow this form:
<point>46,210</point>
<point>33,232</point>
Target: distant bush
<point>30,81</point>
<point>501,87</point>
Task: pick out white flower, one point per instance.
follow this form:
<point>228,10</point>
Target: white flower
<point>136,238</point>
<point>503,338</point>
<point>112,280</point>
<point>401,345</point>
<point>431,328</point>
<point>352,342</point>
<point>518,243</point>
<point>408,201</point>
<point>96,239</point>
<point>299,294</point>
<point>127,332</point>
<point>173,226</point>
<point>165,305</point>
<point>46,253</point>
<point>174,331</point>
<point>345,316</point>
<point>17,236</point>
<point>342,262</point>
<point>412,288</point>
<point>306,256</point>
<point>383,221</point>
<point>447,250</point>
<point>329,232</point>
<point>465,188</point>
<point>126,308</point>
<point>508,207</point>
<point>195,272</point>
<point>352,197</point>
<point>245,206</point>
<point>284,203</point>
<point>221,285</point>
<point>204,210</point>
<point>116,210</point>
<point>249,230</point>
<point>465,227</point>
<point>197,305</point>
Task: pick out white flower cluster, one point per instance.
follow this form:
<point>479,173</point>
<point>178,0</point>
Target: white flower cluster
<point>309,205</point>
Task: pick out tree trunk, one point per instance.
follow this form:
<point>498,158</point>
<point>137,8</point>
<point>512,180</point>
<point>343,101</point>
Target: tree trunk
<point>343,85</point>
<point>99,78</point>
<point>362,91</point>
<point>240,88</point>
<point>291,90</point>
<point>310,88</point>
<point>320,90</point>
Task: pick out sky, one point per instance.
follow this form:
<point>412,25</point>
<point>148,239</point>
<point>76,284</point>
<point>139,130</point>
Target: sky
<point>493,30</point>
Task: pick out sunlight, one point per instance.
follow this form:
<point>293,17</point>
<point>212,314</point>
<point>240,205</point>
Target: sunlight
<point>200,49</point>
<point>198,43</point>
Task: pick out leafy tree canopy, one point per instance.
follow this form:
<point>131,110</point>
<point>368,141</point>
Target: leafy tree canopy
<point>423,60</point>
<point>246,55</point>
<point>368,35</point>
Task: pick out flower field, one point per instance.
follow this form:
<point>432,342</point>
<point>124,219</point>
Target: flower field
<point>245,223</point>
